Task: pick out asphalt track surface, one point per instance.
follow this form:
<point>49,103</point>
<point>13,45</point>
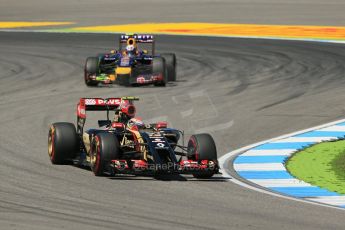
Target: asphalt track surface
<point>240,90</point>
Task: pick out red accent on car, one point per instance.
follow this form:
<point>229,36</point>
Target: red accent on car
<point>139,164</point>
<point>117,125</point>
<point>161,124</point>
<point>204,162</point>
<point>120,165</point>
<point>158,77</point>
<point>195,165</point>
<point>128,110</point>
<point>100,104</point>
<point>81,112</point>
<point>189,164</point>
<point>109,101</point>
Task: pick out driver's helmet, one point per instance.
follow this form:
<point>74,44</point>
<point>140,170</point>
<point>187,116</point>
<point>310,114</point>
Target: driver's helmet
<point>130,50</point>
<point>135,124</point>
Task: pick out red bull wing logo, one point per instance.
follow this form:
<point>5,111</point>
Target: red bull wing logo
<point>141,79</point>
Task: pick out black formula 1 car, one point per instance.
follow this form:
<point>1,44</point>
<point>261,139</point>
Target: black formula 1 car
<point>125,145</point>
<point>134,63</point>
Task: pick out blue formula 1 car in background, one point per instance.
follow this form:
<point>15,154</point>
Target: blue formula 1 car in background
<point>134,63</point>
<point>125,145</point>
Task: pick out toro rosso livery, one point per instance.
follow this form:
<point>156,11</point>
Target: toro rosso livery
<point>125,145</point>
<point>134,63</point>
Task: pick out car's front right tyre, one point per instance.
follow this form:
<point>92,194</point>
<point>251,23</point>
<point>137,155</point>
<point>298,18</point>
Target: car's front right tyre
<point>170,61</point>
<point>159,67</point>
<point>104,148</point>
<point>202,147</point>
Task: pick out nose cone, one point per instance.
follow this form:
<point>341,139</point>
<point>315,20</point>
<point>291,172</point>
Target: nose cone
<point>123,70</point>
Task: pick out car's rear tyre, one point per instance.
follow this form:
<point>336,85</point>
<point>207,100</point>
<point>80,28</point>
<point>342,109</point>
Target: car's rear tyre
<point>62,142</point>
<point>91,68</point>
<point>170,62</point>
<point>104,148</point>
<point>159,67</point>
<point>202,147</point>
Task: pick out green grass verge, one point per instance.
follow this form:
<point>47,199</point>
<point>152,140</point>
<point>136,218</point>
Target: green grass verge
<point>321,165</point>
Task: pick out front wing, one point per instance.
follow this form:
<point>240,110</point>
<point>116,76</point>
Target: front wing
<point>182,167</point>
<point>141,79</point>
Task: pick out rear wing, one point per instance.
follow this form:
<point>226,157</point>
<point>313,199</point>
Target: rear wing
<point>144,41</point>
<point>139,38</point>
<point>100,104</point>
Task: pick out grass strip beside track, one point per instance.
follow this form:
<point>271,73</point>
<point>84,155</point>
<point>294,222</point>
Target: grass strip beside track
<point>321,165</point>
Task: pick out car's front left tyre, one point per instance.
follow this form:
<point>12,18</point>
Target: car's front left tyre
<point>91,68</point>
<point>62,142</point>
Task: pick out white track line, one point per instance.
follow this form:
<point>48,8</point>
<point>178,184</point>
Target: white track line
<point>269,152</point>
<point>280,183</point>
<point>334,129</point>
<point>305,139</point>
<point>332,200</point>
<point>260,167</point>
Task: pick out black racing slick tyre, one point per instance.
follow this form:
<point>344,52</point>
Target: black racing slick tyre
<point>170,62</point>
<point>159,67</point>
<point>63,142</point>
<point>202,147</point>
<point>104,148</point>
<point>91,68</point>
